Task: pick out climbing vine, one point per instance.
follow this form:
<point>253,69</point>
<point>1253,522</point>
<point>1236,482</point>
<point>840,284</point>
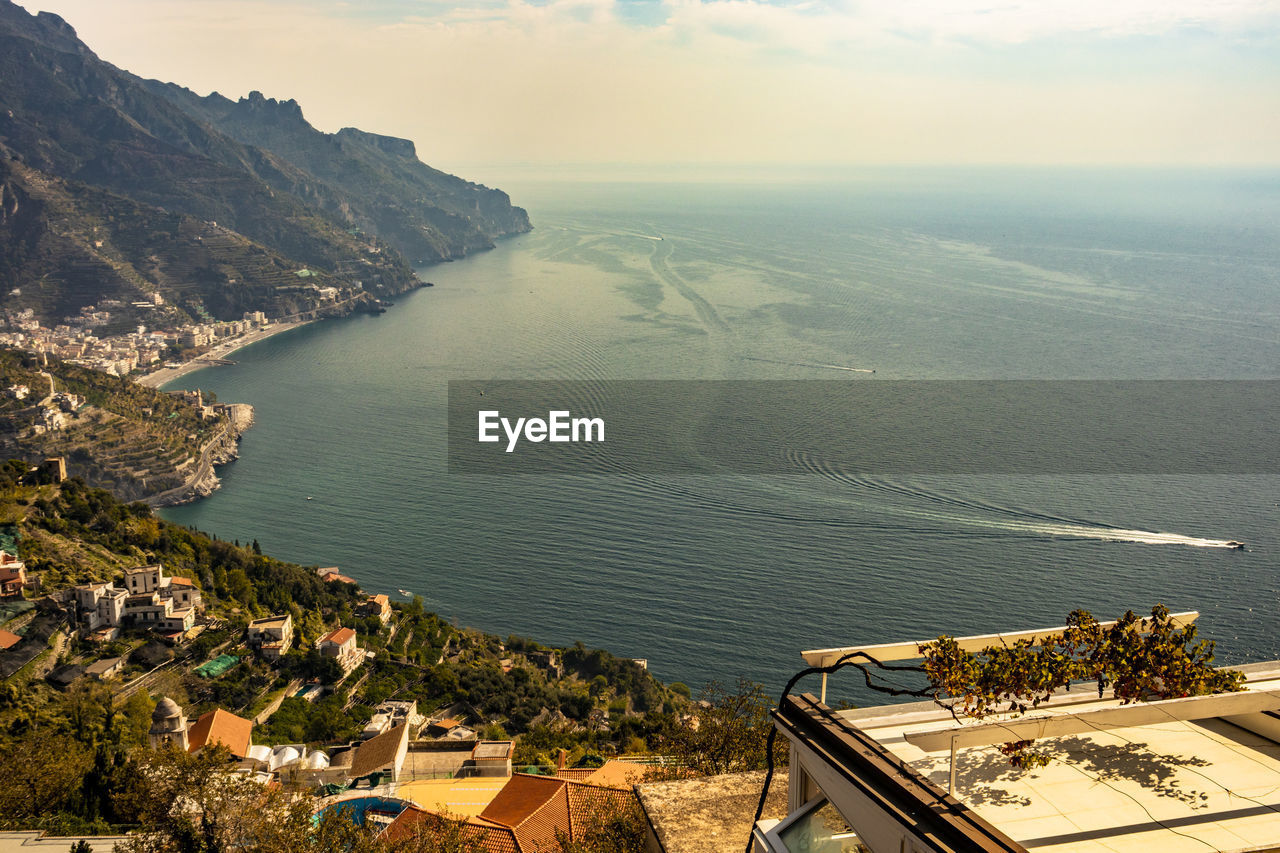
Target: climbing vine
<point>1136,658</point>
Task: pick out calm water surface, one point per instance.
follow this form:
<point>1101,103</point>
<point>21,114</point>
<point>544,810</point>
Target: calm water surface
<point>926,275</point>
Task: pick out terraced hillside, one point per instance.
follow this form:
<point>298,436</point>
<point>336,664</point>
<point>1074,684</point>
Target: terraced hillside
<point>72,245</point>
<point>132,440</point>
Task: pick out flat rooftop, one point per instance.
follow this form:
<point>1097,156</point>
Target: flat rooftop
<point>457,797</point>
<point>269,621</point>
<point>492,750</point>
<point>710,814</point>
<point>1179,778</point>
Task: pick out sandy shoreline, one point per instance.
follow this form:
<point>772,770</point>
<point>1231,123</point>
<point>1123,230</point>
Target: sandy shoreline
<point>156,378</point>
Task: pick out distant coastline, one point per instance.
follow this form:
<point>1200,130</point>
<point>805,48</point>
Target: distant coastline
<point>165,375</point>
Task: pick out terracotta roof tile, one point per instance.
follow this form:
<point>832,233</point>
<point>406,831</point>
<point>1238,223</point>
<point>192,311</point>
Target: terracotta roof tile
<point>8,639</point>
<point>586,802</point>
<point>526,814</point>
<point>491,837</point>
<point>534,807</point>
<point>520,797</point>
<point>538,831</point>
<point>219,726</point>
<point>576,774</point>
<point>338,636</point>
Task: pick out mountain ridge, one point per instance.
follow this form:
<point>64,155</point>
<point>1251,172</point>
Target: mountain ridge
<point>353,205</point>
<point>397,196</point>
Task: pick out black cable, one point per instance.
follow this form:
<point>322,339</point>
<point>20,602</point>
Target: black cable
<point>847,660</point>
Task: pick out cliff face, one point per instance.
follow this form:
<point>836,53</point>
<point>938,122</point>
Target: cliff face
<point>352,205</point>
<point>371,182</point>
<point>65,244</point>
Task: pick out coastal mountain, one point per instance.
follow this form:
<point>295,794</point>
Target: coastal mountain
<point>351,205</point>
<point>376,183</point>
<point>69,244</point>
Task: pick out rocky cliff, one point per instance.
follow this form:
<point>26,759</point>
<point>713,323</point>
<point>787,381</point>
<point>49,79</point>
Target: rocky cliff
<point>372,182</point>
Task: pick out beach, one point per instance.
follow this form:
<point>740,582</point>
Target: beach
<point>164,375</point>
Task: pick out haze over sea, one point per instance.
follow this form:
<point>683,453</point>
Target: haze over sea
<point>939,274</point>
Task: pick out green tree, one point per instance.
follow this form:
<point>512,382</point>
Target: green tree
<point>610,828</point>
<point>727,732</point>
<point>195,804</point>
<point>42,772</point>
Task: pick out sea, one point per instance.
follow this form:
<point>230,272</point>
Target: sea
<point>911,273</point>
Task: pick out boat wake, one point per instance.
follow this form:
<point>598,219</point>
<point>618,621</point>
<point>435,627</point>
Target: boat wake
<point>1106,534</point>
<point>1002,519</point>
<point>810,364</point>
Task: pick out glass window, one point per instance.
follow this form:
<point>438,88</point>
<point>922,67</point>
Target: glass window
<point>821,829</point>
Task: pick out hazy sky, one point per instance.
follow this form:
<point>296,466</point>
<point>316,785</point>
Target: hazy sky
<point>501,82</point>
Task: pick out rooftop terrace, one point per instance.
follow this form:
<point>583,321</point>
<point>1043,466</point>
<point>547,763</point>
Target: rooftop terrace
<point>1189,774</point>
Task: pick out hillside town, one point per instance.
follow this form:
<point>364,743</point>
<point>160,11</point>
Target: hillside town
<point>353,701</point>
<point>75,340</point>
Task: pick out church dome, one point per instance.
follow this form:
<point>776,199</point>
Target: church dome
<point>167,717</point>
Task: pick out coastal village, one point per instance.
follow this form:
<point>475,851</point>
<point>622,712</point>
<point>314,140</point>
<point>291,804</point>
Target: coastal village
<point>289,687</point>
<point>75,341</point>
<point>401,756</point>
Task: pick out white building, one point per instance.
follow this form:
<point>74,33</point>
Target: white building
<point>153,579</point>
<point>100,605</point>
<point>272,636</point>
<point>341,644</point>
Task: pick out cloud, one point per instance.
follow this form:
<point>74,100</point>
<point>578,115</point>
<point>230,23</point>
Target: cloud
<point>734,80</point>
<point>1003,21</point>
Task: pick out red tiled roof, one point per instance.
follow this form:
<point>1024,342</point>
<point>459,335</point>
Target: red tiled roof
<point>8,639</point>
<point>526,814</point>
<point>219,726</point>
<point>181,581</point>
<point>576,774</point>
<point>534,807</point>
<point>539,830</point>
<point>588,803</point>
<point>491,837</point>
<point>338,636</point>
